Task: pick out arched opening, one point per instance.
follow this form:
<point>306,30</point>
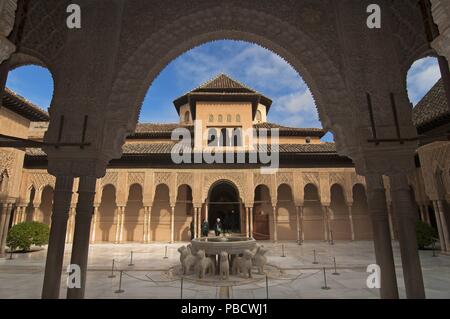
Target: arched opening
<point>187,117</point>
<point>134,215</point>
<point>340,223</point>
<point>183,214</point>
<point>422,76</point>
<point>286,213</point>
<point>224,203</point>
<point>361,219</point>
<point>313,215</point>
<point>29,211</point>
<point>161,215</point>
<point>262,210</point>
<point>106,223</point>
<point>46,205</point>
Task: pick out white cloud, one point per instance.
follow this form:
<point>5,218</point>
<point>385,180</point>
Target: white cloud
<point>421,78</point>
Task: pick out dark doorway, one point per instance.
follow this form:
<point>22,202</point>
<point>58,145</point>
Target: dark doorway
<point>224,203</point>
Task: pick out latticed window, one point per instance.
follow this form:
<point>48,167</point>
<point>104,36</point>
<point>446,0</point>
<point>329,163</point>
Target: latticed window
<point>258,116</point>
<point>228,118</point>
<point>211,118</point>
<point>220,119</point>
<point>238,118</point>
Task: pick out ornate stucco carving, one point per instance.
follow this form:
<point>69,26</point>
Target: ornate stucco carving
<point>110,179</point>
<point>136,178</point>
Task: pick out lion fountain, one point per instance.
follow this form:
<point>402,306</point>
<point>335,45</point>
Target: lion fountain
<point>222,257</point>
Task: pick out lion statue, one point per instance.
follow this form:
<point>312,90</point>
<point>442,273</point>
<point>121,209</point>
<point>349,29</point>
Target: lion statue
<point>243,265</point>
<point>188,261</point>
<point>259,259</point>
<point>224,266</point>
<point>204,265</point>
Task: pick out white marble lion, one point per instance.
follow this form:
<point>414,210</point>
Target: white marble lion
<point>224,266</point>
<point>205,265</point>
<point>259,259</point>
<point>243,265</point>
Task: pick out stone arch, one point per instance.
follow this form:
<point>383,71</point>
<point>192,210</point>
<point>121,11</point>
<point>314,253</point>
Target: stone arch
<point>106,223</point>
<point>313,215</point>
<point>262,211</point>
<point>134,214</point>
<point>183,212</point>
<point>340,222</point>
<point>286,213</point>
<point>29,200</point>
<point>226,22</point>
<point>230,179</point>
<point>46,204</point>
<point>161,213</point>
<point>360,213</point>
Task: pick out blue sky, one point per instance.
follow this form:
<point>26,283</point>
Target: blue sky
<point>248,63</point>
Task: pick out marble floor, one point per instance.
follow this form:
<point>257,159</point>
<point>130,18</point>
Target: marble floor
<point>293,275</point>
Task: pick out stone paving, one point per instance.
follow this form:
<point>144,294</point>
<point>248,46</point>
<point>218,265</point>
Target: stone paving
<point>291,277</point>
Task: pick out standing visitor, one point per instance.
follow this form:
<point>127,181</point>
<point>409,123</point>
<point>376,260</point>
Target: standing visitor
<point>205,228</point>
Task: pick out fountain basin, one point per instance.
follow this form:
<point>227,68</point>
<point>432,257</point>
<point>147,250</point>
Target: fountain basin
<point>233,245</point>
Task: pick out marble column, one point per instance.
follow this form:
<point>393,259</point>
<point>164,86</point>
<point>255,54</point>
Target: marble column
<point>119,220</point>
<point>70,225</point>
<point>437,214</point>
<point>377,205</point>
<point>147,225</point>
<point>194,219</point>
<point>275,231</point>
<point>391,223</point>
<point>172,224</point>
<point>422,213</point>
<point>4,225</point>
<point>350,219</point>
<point>445,233</point>
<point>406,225</point>
<point>247,222</point>
<point>83,218</point>
<point>299,212</point>
<point>94,224</point>
<point>325,223</point>
<point>55,253</point>
<point>250,213</point>
<point>427,214</point>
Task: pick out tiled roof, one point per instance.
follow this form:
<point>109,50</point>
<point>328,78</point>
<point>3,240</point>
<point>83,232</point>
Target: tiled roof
<point>432,109</point>
<point>23,107</point>
<point>291,131</point>
<point>167,148</point>
<point>223,82</point>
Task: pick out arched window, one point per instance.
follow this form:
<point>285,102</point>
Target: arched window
<point>238,118</point>
<point>220,118</point>
<point>224,138</point>
<point>258,116</point>
<point>187,117</point>
<point>212,137</point>
<point>237,137</point>
<point>228,118</point>
<point>211,118</point>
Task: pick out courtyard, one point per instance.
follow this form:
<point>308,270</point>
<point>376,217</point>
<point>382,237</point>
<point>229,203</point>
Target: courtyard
<point>154,273</point>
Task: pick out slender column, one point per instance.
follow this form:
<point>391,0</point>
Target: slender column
<point>445,233</point>
<point>83,218</point>
<point>250,213</point>
<point>299,228</point>
<point>195,220</point>
<point>302,217</point>
<point>439,226</point>
<point>275,232</point>
<point>422,213</point>
<point>377,205</point>
<point>24,214</point>
<point>4,224</point>
<point>406,225</point>
<point>35,213</point>
<point>206,212</point>
<point>326,224</point>
<point>172,224</point>
<point>71,224</point>
<point>94,224</point>
<point>391,223</point>
<point>147,220</point>
<point>55,252</point>
<point>199,222</point>
<point>350,218</point>
<point>427,214</point>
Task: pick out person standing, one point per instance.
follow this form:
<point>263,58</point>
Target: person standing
<point>205,228</point>
<point>218,227</point>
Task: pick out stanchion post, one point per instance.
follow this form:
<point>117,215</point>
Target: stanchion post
<point>120,290</point>
<point>165,253</point>
<point>335,267</point>
<point>315,260</point>
<point>282,251</point>
<point>181,292</point>
<point>10,254</point>
<point>112,270</point>
<point>131,259</point>
<point>331,237</point>
<point>325,287</point>
<point>434,248</point>
<point>267,286</point>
